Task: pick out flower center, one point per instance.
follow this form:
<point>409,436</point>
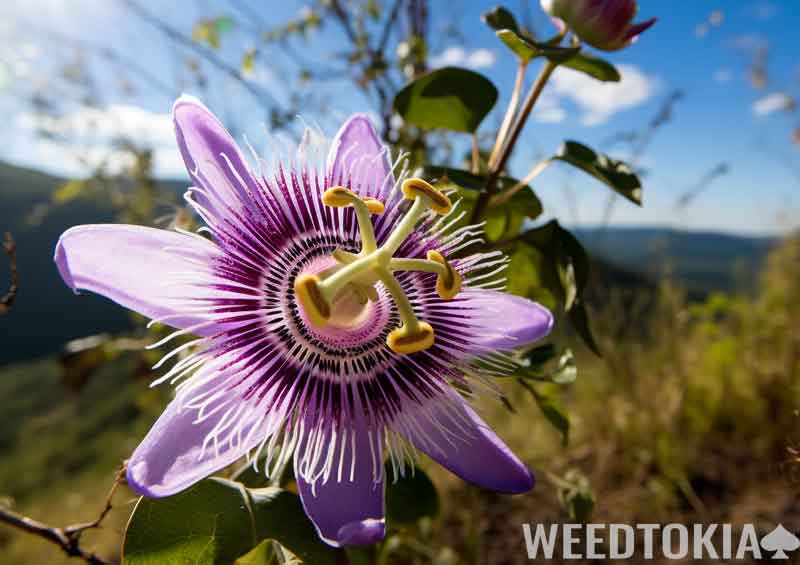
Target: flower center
<point>337,296</point>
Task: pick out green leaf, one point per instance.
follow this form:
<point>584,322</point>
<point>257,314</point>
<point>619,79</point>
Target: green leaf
<point>567,371</point>
<point>575,494</point>
<point>595,67</point>
<point>527,49</point>
<point>534,366</point>
<point>615,174</point>
<point>500,18</point>
<point>579,319</point>
<point>567,262</point>
<point>552,409</point>
<point>217,521</point>
<point>410,498</point>
<point>451,98</point>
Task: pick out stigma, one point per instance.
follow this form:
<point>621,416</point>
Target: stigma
<point>352,279</point>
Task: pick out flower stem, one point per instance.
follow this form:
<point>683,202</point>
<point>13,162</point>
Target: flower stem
<point>510,112</point>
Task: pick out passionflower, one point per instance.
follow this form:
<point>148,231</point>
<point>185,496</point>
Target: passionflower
<point>332,318</point>
<point>603,24</point>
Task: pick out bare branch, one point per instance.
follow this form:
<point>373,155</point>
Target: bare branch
<point>178,37</point>
<point>69,537</point>
<point>10,249</point>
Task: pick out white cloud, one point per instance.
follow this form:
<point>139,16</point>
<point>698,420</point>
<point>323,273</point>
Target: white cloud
<point>722,76</point>
<point>458,56</point>
<point>84,138</point>
<point>773,103</point>
<point>598,102</point>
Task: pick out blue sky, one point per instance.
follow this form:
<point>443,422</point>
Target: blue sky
<point>704,48</point>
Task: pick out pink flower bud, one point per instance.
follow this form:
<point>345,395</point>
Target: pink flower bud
<point>603,24</point>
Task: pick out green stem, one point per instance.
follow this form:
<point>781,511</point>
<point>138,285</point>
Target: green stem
<point>505,153</point>
<point>510,112</point>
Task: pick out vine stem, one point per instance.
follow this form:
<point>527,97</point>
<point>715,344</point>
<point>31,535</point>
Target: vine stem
<point>508,147</point>
<point>510,112</point>
<point>67,538</point>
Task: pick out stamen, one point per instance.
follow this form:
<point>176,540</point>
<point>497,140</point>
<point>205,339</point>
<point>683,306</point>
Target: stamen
<point>340,197</point>
<point>448,284</point>
<point>357,274</point>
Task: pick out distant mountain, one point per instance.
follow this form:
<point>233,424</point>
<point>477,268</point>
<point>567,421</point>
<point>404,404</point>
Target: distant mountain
<point>702,261</point>
<point>46,313</point>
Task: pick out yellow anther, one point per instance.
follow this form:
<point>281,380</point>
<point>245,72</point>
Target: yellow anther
<point>375,206</point>
<point>306,287</point>
<point>448,284</point>
<point>439,202</point>
<point>338,197</point>
<point>404,342</point>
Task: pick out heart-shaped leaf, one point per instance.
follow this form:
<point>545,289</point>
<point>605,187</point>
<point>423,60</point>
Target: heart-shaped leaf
<point>615,174</point>
<point>595,67</point>
<point>450,98</point>
<point>217,521</point>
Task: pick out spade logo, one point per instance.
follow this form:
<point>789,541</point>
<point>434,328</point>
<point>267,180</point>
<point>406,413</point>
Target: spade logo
<point>780,540</point>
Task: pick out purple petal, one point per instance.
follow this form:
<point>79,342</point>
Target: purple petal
<point>212,159</point>
<point>360,160</point>
<point>172,457</point>
<point>453,435</point>
<point>507,321</point>
<point>131,265</point>
<point>348,509</point>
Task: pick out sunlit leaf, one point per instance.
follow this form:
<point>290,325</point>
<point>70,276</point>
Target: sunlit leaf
<point>567,371</point>
<point>615,174</point>
<point>500,18</point>
<point>595,67</point>
<point>537,365</point>
<point>575,495</point>
<point>450,98</point>
<point>218,521</point>
<point>412,497</point>
<point>527,49</point>
<point>248,61</point>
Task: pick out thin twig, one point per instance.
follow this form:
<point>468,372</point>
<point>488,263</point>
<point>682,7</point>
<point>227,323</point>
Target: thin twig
<point>178,37</point>
<point>502,198</point>
<point>10,249</point>
<point>67,538</point>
